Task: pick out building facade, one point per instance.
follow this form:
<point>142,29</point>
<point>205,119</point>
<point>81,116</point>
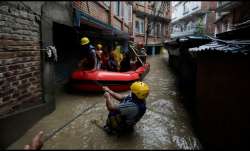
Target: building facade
<point>104,20</point>
<point>229,14</point>
<point>192,18</point>
<point>152,17</point>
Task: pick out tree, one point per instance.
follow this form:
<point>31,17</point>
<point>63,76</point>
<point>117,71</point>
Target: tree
<point>199,26</point>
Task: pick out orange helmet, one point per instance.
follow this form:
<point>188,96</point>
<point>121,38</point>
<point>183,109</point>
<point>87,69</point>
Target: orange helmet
<point>141,44</point>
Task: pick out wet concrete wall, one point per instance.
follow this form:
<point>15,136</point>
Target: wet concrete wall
<point>223,101</point>
<point>14,126</point>
<point>59,12</point>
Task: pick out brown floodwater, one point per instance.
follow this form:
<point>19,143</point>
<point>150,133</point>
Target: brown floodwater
<point>165,125</point>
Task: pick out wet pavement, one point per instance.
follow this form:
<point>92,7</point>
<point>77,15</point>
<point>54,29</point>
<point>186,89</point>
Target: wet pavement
<point>165,125</point>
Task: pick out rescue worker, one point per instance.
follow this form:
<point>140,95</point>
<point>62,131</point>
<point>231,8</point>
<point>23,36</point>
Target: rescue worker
<point>125,64</point>
<point>105,59</point>
<point>89,60</point>
<point>142,52</point>
<point>112,64</point>
<point>99,55</point>
<point>118,56</point>
<point>123,117</point>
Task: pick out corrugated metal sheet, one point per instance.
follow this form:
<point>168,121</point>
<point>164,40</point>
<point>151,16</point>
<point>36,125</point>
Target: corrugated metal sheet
<point>215,46</point>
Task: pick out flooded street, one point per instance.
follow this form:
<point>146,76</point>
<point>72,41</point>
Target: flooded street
<point>165,124</point>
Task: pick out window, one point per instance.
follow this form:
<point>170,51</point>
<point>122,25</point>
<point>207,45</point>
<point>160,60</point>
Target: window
<point>158,29</point>
<point>142,26</point>
<point>185,8</point>
<point>127,13</point>
<point>117,8</point>
<point>150,3</point>
<point>195,5</point>
<point>215,30</point>
<point>130,13</point>
<point>174,3</point>
<point>151,29</point>
<point>106,3</point>
<point>219,3</point>
<point>189,26</point>
<point>223,27</point>
<point>139,26</point>
<point>228,26</point>
<point>140,3</point>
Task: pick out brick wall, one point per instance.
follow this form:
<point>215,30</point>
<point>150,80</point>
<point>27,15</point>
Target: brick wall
<point>93,9</point>
<point>20,81</point>
<point>126,28</point>
<point>139,39</point>
<point>117,23</point>
<point>104,13</point>
<point>154,40</point>
<point>98,12</point>
<point>204,5</point>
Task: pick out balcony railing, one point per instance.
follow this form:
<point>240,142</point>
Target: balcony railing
<point>188,14</point>
<point>184,33</point>
<point>227,5</point>
<point>222,3</point>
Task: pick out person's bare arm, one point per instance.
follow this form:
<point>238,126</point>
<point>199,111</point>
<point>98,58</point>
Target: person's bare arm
<point>109,103</point>
<point>117,96</point>
<point>36,143</point>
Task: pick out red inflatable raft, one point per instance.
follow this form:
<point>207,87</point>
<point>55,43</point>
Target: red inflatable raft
<point>119,81</point>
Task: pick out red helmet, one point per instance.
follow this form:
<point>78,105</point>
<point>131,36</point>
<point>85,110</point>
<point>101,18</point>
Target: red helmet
<point>141,44</point>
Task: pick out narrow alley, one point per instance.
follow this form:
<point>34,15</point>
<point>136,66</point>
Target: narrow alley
<point>175,73</point>
<point>165,125</point>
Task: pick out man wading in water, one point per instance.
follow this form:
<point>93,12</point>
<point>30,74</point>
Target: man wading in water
<point>123,117</point>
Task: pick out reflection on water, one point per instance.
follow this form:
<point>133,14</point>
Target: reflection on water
<point>165,125</point>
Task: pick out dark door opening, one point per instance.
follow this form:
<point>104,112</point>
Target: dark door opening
<point>66,42</point>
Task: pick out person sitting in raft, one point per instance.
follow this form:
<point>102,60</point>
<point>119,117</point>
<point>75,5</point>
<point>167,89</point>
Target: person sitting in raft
<point>89,59</point>
<point>125,64</point>
<point>142,52</point>
<point>123,117</point>
<point>112,64</point>
<point>104,59</point>
<point>118,56</point>
<point>99,53</point>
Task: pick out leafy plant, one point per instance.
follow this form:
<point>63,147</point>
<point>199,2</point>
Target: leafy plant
<point>199,27</point>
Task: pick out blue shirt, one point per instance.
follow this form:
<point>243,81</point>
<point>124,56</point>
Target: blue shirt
<point>132,110</point>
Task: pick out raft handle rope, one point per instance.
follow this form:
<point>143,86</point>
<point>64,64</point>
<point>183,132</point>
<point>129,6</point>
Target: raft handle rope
<point>138,56</point>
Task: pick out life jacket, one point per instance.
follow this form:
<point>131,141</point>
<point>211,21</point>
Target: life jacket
<point>118,56</point>
<point>117,122</point>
